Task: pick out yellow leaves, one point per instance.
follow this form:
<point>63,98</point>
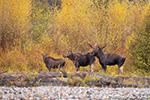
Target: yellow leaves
<point>75,13</point>
<point>14,21</point>
<point>72,26</point>
<point>113,21</point>
<point>118,11</point>
<point>16,12</point>
<point>15,16</point>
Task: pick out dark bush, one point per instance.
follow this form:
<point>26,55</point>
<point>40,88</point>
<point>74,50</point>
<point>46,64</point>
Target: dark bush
<point>140,49</point>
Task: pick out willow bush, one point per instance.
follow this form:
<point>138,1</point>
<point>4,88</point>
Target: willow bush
<point>140,49</point>
<point>14,28</point>
<point>14,18</point>
<point>31,27</point>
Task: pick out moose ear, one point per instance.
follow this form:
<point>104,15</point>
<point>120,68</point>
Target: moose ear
<point>44,55</point>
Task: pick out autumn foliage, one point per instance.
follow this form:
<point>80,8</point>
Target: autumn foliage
<point>31,27</point>
<point>140,49</point>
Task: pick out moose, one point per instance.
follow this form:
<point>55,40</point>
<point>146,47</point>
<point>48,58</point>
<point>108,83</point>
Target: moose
<point>80,60</point>
<point>52,63</point>
<point>108,58</point>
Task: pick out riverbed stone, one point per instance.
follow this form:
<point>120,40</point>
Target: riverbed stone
<point>66,92</point>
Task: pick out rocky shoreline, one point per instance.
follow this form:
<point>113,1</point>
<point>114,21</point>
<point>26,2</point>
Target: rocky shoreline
<point>81,78</point>
<point>79,93</point>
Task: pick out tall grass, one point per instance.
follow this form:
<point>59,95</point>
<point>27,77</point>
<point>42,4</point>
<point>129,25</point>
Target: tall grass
<point>29,28</point>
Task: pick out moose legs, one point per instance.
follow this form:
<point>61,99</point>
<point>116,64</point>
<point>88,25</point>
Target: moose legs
<point>120,69</point>
<point>49,69</point>
<point>120,66</point>
<point>61,66</point>
<point>104,67</point>
<point>77,66</point>
<point>91,67</point>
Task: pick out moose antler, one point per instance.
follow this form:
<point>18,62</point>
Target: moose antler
<point>97,45</point>
<point>104,46</point>
<point>90,45</point>
<point>94,46</point>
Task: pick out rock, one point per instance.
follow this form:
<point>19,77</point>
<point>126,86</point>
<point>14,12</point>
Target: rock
<point>66,92</point>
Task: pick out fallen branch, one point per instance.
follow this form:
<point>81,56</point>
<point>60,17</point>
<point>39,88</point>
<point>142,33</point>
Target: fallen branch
<point>3,72</point>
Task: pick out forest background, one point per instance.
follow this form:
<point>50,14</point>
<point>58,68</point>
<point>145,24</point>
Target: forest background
<point>31,27</point>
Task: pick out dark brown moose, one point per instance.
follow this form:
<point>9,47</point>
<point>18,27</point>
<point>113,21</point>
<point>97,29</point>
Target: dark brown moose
<point>80,60</point>
<point>53,63</point>
<point>108,58</point>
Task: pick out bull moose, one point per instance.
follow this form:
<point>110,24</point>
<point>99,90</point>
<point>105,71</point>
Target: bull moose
<point>52,63</point>
<point>108,58</point>
<point>80,60</point>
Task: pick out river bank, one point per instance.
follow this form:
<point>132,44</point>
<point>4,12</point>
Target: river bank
<point>66,92</point>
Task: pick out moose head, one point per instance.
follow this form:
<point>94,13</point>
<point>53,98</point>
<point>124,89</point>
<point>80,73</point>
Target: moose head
<point>44,56</point>
<point>69,55</point>
<point>80,60</point>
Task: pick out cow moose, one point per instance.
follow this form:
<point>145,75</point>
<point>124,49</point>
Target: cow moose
<point>52,63</point>
<point>80,60</point>
<point>108,58</point>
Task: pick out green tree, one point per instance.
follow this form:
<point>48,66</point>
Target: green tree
<point>140,49</point>
<point>40,18</point>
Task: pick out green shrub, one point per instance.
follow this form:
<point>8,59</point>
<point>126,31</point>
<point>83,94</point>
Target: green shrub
<point>140,49</point>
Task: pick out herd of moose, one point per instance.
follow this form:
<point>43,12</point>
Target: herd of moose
<point>87,59</point>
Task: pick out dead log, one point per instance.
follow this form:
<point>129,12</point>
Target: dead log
<point>4,72</point>
<point>136,80</point>
<point>23,80</point>
<point>61,78</point>
<point>104,78</point>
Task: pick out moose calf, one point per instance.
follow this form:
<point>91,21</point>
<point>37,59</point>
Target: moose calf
<point>108,58</point>
<point>52,63</point>
<point>80,60</point>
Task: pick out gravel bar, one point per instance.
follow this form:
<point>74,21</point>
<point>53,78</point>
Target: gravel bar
<point>78,93</point>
